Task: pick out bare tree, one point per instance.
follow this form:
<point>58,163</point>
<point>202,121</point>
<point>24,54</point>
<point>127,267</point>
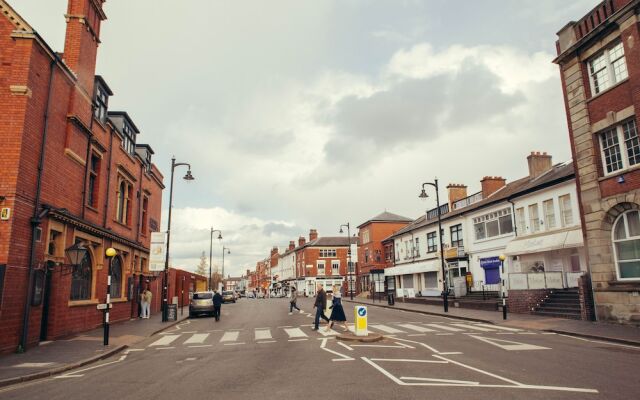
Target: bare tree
<point>201,269</point>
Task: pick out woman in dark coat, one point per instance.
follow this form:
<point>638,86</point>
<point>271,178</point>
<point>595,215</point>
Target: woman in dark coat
<point>337,312</point>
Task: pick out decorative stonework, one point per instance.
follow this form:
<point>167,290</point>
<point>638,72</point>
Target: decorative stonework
<point>20,90</point>
<point>14,17</point>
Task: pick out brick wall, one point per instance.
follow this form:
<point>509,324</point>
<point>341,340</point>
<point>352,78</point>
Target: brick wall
<point>521,301</point>
<point>587,311</point>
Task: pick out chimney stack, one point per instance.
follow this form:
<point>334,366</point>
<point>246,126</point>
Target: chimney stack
<point>491,184</point>
<point>292,245</point>
<point>274,250</point>
<point>313,235</point>
<point>539,163</point>
<point>301,241</point>
<point>456,192</point>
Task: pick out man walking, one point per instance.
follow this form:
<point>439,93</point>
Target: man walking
<point>293,300</point>
<point>145,301</point>
<point>217,305</point>
<point>320,304</point>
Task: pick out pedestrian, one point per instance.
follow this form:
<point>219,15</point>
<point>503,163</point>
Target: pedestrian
<point>145,301</point>
<point>217,305</point>
<point>320,304</point>
<point>337,311</point>
<point>293,300</point>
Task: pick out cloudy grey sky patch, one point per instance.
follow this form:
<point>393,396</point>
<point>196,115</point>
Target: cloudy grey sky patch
<point>299,114</point>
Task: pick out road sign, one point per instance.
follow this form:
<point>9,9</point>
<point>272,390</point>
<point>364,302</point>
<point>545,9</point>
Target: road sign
<point>360,318</point>
<point>104,306</point>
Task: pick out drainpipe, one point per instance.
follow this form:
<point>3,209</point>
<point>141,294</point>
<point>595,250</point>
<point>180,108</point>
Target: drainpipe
<point>140,198</point>
<point>37,214</point>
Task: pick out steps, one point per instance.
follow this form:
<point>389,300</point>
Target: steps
<point>561,303</point>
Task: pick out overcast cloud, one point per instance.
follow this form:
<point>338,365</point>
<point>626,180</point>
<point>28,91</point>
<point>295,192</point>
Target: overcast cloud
<point>310,114</point>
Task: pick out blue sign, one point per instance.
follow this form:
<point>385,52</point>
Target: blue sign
<point>362,312</point>
<point>490,262</point>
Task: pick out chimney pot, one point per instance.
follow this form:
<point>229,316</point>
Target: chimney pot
<point>313,235</point>
<point>456,192</point>
<point>491,184</point>
<point>539,163</point>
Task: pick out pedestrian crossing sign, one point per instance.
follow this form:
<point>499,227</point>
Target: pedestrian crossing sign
<point>360,319</point>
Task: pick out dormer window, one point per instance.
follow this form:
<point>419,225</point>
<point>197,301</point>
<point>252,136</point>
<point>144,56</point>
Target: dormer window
<point>128,139</point>
<point>100,104</point>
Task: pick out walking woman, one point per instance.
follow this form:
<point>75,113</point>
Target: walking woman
<point>337,312</point>
<point>293,300</point>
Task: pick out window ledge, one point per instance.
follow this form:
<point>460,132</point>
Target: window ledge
<point>607,90</point>
<point>506,235</point>
<point>619,172</point>
<point>119,300</point>
<point>621,286</point>
<point>82,303</point>
<point>89,207</point>
<point>121,224</point>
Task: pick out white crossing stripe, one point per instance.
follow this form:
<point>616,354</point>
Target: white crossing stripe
<point>444,327</point>
<point>295,332</point>
<point>474,327</point>
<point>324,332</point>
<point>230,336</point>
<point>386,329</point>
<point>197,338</point>
<point>416,328</point>
<point>263,334</point>
<point>165,340</point>
<point>504,328</point>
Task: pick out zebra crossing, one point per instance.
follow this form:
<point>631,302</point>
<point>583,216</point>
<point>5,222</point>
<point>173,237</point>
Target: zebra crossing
<point>304,332</point>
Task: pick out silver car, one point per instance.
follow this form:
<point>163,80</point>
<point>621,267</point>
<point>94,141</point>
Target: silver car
<point>201,303</point>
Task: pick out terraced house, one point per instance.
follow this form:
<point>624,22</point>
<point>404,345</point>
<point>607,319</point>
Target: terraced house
<point>72,176</point>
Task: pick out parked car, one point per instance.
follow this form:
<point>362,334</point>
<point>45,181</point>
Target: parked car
<point>228,296</point>
<point>201,303</point>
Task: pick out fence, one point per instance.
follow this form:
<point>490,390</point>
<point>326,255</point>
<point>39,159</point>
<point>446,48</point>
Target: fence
<point>543,280</point>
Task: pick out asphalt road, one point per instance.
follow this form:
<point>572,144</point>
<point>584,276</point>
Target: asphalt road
<point>259,351</point>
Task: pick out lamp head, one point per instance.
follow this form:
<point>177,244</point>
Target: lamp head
<point>188,176</point>
<point>111,252</point>
<point>219,236</point>
<point>341,231</point>
<point>76,253</point>
<point>423,195</point>
<point>502,257</point>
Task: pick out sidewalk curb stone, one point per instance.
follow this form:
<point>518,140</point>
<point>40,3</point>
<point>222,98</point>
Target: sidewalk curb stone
<point>81,363</point>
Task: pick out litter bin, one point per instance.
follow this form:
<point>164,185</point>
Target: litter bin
<point>390,298</point>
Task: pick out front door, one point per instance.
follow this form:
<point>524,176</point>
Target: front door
<point>46,296</point>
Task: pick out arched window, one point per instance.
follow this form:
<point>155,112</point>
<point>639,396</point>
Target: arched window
<point>116,277</point>
<point>626,243</point>
<point>81,279</point>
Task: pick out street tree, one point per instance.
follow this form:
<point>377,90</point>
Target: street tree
<point>201,269</point>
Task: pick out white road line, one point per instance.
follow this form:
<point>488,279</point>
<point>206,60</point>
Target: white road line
<point>263,334</point>
<point>479,370</point>
<point>197,338</point>
<point>384,371</point>
<point>444,334</point>
<point>527,333</point>
<point>602,342</point>
<point>386,329</point>
<point>230,336</point>
<point>285,326</point>
<point>505,333</point>
<point>509,345</point>
<point>450,352</point>
<point>330,332</point>
<point>444,327</point>
<point>473,327</point>
<point>295,332</point>
<point>503,328</point>
<point>416,328</point>
<point>267,341</point>
<point>201,345</point>
<point>323,344</point>
<point>68,376</point>
<point>400,346</point>
<point>342,356</point>
<point>234,344</point>
<point>345,346</point>
<point>417,334</point>
<point>420,343</point>
<point>165,340</point>
<point>297,340</point>
<point>408,360</point>
<point>165,348</point>
<point>439,380</point>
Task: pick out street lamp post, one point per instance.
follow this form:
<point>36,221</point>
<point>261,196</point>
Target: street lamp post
<point>110,252</point>
<point>502,257</point>
<point>210,251</point>
<point>165,279</point>
<point>349,259</point>
<point>228,251</point>
<point>445,289</point>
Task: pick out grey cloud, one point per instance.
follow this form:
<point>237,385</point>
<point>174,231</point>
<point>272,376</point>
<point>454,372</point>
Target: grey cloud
<point>280,230</point>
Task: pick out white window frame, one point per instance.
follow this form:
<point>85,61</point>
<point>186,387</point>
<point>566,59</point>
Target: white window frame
<point>607,66</point>
<point>490,217</point>
<point>335,267</point>
<point>521,221</point>
<point>623,146</point>
<point>565,211</point>
<point>628,237</point>
<point>321,265</point>
<point>549,211</point>
<point>534,223</point>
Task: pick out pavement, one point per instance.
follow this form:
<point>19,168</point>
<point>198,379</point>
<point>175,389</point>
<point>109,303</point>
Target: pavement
<point>55,357</point>
<point>625,334</point>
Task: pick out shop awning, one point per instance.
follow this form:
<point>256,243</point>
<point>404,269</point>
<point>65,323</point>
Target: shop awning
<point>552,241</point>
<point>413,268</point>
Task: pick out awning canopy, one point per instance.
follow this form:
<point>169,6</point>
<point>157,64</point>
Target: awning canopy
<point>413,268</point>
<point>552,241</point>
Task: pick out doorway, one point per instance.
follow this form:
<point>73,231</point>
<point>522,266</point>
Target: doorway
<point>46,298</point>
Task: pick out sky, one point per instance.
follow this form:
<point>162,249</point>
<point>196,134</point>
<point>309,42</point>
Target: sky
<point>301,114</point>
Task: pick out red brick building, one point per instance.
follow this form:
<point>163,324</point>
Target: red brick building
<point>599,60</point>
<point>372,253</point>
<point>71,173</point>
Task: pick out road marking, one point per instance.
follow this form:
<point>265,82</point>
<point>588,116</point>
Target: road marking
<point>343,357</point>
<point>190,359</point>
<point>600,342</point>
<point>503,328</point>
<point>345,346</point>
<point>165,340</point>
<point>165,348</point>
<point>285,326</point>
<point>527,333</point>
<point>197,338</point>
<point>297,340</point>
<point>201,345</point>
<point>450,352</point>
<point>444,334</point>
<point>399,346</point>
<point>439,380</point>
<point>416,328</point>
<point>295,332</point>
<point>505,333</point>
<point>386,329</point>
<point>473,327</point>
<point>408,360</point>
<point>384,371</point>
<point>127,351</point>
<point>69,376</point>
<point>330,332</point>
<point>418,334</point>
<point>33,365</point>
<point>509,345</point>
<point>420,343</point>
<point>445,327</point>
<point>263,334</point>
<point>479,370</point>
<point>191,332</point>
<point>234,344</point>
<point>267,341</point>
<point>230,336</point>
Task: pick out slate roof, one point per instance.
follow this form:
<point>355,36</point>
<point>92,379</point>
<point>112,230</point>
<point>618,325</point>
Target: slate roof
<point>386,217</point>
<point>558,173</point>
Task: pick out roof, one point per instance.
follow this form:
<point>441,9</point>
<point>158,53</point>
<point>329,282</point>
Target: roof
<point>386,217</point>
<point>558,173</point>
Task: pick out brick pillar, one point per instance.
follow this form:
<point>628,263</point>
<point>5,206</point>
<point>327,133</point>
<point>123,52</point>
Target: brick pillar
<point>586,299</point>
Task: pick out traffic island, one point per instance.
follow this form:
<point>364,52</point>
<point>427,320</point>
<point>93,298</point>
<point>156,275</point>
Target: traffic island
<point>370,337</point>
